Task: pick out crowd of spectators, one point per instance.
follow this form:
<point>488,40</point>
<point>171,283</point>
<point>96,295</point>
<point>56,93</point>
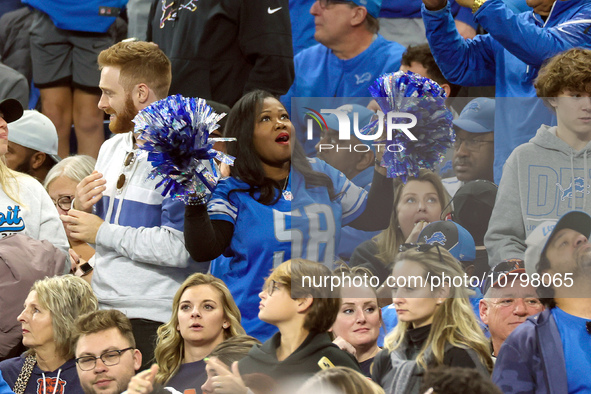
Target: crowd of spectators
<point>108,285</point>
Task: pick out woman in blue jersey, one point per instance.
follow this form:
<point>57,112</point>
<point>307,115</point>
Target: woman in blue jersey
<point>276,205</point>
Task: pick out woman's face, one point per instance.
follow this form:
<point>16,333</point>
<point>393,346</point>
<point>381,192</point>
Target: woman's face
<point>62,188</point>
<point>272,133</point>
<point>358,321</point>
<point>201,319</point>
<point>36,323</point>
<point>418,202</point>
<point>413,299</point>
<point>276,304</point>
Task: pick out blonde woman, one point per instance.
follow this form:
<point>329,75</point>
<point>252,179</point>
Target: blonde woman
<point>51,308</point>
<point>204,314</point>
<point>25,207</point>
<point>416,204</point>
<point>435,327</point>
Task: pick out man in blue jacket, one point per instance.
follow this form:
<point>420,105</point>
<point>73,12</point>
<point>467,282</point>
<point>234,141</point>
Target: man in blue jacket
<point>350,56</point>
<point>509,57</point>
<point>551,352</point>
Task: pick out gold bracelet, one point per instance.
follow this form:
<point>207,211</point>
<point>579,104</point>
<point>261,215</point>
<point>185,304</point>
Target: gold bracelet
<point>477,4</point>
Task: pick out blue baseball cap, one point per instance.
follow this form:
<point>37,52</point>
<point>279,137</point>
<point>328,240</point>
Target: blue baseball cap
<point>478,116</point>
<point>453,237</point>
<point>373,6</point>
<point>364,116</point>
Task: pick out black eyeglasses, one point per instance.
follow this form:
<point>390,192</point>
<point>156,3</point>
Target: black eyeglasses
<point>326,3</point>
<point>271,286</point>
<point>129,159</point>
<point>420,247</point>
<point>472,144</point>
<point>110,358</point>
<point>64,203</point>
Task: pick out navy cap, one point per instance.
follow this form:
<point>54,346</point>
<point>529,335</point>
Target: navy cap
<point>453,237</point>
<point>478,116</point>
<point>373,6</point>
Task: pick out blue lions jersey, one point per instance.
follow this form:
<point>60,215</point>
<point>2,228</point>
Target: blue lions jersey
<point>267,235</point>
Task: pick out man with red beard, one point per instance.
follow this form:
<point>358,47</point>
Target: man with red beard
<point>140,258</point>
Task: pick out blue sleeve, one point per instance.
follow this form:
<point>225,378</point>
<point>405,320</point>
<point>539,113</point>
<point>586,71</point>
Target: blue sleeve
<point>463,62</point>
<point>173,214</point>
<point>465,15</point>
<point>219,206</point>
<point>512,372</point>
<point>530,43</point>
<point>4,388</point>
<point>351,197</point>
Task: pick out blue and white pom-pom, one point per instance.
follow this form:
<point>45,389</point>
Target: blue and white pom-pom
<point>175,132</point>
<point>425,99</point>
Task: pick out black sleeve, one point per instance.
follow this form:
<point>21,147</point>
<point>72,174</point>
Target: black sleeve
<point>378,208</point>
<point>365,255</point>
<point>458,357</point>
<point>205,239</point>
<point>265,39</point>
<point>381,366</point>
<point>151,16</point>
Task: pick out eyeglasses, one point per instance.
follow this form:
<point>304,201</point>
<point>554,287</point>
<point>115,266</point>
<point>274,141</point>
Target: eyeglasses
<point>64,203</point>
<point>110,358</point>
<point>271,286</point>
<point>325,3</point>
<point>129,159</point>
<point>472,144</point>
<point>421,248</point>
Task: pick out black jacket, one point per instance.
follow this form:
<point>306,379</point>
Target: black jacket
<point>302,363</point>
<point>221,49</point>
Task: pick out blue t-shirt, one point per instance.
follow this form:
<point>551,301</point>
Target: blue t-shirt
<point>576,343</point>
<point>4,389</point>
<point>267,235</point>
<point>320,73</point>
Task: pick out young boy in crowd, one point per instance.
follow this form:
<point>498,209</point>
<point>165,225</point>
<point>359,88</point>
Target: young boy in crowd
<point>549,175</point>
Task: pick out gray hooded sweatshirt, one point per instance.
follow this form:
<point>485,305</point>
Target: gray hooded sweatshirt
<point>542,180</point>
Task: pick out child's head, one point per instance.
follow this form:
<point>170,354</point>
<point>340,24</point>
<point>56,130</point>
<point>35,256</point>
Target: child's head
<point>566,72</point>
<point>300,279</point>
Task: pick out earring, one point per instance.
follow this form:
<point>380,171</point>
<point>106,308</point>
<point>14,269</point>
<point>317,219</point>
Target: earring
<point>225,325</point>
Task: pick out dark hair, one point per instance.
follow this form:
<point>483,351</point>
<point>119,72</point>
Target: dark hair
<point>422,55</point>
<point>456,380</point>
<point>545,291</point>
<point>248,167</point>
